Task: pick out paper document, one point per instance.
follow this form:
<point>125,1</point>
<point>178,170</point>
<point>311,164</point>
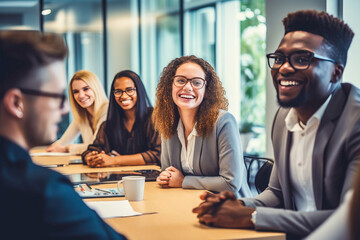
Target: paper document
<point>111,209</point>
<point>40,154</point>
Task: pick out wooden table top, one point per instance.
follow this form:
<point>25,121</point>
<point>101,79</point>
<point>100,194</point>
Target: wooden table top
<point>173,220</point>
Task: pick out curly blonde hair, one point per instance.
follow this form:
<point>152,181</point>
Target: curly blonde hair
<point>166,115</point>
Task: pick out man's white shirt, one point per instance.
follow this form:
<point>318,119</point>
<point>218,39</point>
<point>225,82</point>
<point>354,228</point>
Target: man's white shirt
<point>301,152</point>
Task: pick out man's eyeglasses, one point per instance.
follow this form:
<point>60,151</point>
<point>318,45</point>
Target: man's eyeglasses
<point>61,96</point>
<point>196,82</point>
<point>129,92</point>
<point>299,60</point>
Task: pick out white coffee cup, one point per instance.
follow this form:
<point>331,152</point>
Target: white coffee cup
<point>133,187</point>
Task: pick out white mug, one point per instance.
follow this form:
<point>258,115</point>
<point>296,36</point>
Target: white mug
<point>133,187</point>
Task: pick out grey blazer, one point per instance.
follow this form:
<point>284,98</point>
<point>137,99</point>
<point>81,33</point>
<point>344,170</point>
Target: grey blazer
<point>335,158</point>
<point>218,159</point>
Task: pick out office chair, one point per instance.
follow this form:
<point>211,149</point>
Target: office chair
<point>258,172</point>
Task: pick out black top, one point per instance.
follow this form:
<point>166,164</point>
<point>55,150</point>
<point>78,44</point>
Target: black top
<point>151,148</point>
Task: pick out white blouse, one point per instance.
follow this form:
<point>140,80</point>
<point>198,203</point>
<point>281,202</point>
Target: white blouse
<point>187,153</point>
<point>87,134</point>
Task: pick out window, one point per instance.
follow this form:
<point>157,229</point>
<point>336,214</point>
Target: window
<point>80,22</point>
<point>160,40</point>
<point>200,33</point>
<point>253,74</point>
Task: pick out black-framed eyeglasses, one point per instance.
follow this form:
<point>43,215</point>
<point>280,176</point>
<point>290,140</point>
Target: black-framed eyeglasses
<point>129,91</point>
<point>34,92</point>
<point>196,82</point>
<point>299,60</point>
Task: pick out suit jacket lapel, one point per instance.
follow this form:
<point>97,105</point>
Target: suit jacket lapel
<point>176,152</point>
<point>197,154</point>
<point>282,140</point>
<point>322,138</point>
<point>286,183</point>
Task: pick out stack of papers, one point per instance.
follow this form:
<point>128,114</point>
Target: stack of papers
<point>111,209</point>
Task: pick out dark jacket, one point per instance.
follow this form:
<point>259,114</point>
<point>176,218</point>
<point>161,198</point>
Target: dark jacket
<point>38,203</point>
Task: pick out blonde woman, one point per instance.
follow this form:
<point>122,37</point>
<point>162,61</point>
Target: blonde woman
<point>89,108</point>
<point>200,141</point>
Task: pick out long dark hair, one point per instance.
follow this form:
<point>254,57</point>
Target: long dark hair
<point>115,125</point>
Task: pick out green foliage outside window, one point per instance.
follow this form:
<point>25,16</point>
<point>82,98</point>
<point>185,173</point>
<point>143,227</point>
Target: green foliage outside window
<point>253,67</point>
<point>253,63</point>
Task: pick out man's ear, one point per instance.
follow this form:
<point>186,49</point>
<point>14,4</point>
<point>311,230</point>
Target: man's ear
<point>337,73</point>
<point>14,103</point>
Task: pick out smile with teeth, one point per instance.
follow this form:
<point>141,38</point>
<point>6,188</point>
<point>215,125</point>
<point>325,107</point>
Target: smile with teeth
<point>126,101</point>
<point>186,96</point>
<point>289,83</point>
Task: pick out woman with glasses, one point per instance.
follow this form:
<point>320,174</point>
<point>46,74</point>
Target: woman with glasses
<point>89,105</point>
<point>127,137</point>
<point>200,145</point>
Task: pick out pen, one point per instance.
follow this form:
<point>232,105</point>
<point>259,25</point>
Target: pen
<point>89,186</point>
<point>82,189</point>
<point>102,190</point>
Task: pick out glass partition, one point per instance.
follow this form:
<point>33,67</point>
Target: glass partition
<point>199,34</point>
<point>80,22</point>
<point>122,37</point>
<point>160,39</point>
<point>19,14</point>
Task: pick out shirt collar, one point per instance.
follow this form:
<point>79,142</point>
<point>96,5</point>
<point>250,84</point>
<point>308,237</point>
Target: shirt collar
<point>13,152</point>
<point>291,120</point>
<point>180,129</point>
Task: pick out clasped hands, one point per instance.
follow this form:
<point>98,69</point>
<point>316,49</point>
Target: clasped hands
<point>99,159</point>
<point>223,210</point>
<point>170,177</point>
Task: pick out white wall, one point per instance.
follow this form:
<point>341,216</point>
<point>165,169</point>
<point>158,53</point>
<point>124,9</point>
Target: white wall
<point>276,10</point>
<point>120,44</point>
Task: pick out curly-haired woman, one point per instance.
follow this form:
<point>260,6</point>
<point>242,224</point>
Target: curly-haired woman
<point>200,145</point>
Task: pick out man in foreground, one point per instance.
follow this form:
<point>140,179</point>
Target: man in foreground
<point>315,134</point>
<point>35,202</point>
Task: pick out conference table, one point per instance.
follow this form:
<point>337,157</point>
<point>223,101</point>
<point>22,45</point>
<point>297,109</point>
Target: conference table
<point>170,208</point>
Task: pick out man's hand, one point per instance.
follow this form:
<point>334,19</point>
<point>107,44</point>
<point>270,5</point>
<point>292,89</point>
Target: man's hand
<point>229,214</point>
<point>212,201</point>
<point>223,210</point>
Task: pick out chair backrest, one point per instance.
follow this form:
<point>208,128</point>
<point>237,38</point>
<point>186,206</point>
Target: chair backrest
<point>258,172</point>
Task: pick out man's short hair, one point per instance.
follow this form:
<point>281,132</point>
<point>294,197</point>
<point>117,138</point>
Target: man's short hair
<point>22,52</point>
<point>335,32</point>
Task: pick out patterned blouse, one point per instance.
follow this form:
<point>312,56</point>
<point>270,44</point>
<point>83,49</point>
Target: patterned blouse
<point>153,140</point>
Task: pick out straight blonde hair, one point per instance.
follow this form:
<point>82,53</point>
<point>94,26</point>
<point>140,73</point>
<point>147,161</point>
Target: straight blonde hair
<point>101,101</point>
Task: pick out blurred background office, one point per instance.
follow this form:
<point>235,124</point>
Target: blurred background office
<point>107,36</point>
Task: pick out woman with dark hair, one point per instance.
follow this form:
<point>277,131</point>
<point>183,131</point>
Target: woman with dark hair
<point>127,137</point>
<point>200,145</point>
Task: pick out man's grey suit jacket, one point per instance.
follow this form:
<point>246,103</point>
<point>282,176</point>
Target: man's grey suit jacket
<point>218,159</point>
<point>334,161</point>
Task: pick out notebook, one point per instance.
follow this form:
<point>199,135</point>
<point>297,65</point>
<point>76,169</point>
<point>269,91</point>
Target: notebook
<point>88,191</point>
